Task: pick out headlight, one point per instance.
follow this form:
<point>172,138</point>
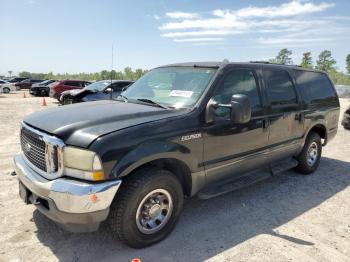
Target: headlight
<point>81,163</point>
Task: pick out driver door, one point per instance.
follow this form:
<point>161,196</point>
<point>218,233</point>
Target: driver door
<point>230,149</point>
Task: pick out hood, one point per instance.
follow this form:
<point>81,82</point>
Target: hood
<point>80,124</point>
<point>76,91</point>
<point>72,92</point>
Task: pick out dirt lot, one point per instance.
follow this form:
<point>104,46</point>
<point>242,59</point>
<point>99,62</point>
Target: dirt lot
<point>286,218</point>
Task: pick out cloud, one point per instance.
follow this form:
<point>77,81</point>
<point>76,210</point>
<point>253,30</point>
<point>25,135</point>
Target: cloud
<point>201,33</point>
<point>208,39</point>
<point>293,16</point>
<point>182,15</point>
<point>156,17</point>
<point>293,8</point>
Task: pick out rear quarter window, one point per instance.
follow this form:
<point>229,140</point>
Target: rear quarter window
<point>315,88</point>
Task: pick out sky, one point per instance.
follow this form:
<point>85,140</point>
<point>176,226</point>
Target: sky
<point>77,36</point>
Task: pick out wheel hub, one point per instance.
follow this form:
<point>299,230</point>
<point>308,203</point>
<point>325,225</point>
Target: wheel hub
<point>312,154</point>
<point>154,211</point>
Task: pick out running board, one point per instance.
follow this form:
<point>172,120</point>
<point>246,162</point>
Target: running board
<point>244,181</point>
<point>247,179</point>
<point>282,166</point>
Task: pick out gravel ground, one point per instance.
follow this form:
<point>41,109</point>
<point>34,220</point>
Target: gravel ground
<point>286,218</point>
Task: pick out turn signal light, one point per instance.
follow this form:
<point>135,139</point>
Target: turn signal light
<point>97,175</point>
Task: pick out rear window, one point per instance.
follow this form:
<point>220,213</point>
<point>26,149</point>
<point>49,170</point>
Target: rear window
<point>315,87</point>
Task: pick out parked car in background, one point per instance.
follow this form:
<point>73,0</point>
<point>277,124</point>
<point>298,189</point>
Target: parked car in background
<point>10,85</point>
<point>7,88</point>
<point>3,81</point>
<point>206,130</point>
<point>27,83</point>
<point>346,119</point>
<point>64,85</point>
<point>41,88</point>
<point>17,79</point>
<point>101,90</point>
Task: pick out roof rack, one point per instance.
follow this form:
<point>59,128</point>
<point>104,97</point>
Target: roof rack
<point>271,63</point>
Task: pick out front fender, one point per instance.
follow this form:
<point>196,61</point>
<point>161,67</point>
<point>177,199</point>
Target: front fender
<point>154,150</point>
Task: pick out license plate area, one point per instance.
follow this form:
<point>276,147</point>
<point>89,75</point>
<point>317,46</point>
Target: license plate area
<point>24,193</point>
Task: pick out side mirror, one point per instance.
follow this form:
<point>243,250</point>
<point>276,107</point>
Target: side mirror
<point>239,107</point>
<point>109,90</point>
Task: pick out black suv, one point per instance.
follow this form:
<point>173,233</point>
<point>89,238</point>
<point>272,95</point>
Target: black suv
<point>181,130</point>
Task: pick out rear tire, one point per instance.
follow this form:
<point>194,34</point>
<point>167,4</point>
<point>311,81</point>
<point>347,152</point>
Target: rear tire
<point>147,207</point>
<point>310,156</point>
<point>6,90</point>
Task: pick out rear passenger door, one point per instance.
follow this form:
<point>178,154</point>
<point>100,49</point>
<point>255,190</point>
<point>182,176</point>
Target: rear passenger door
<point>284,114</point>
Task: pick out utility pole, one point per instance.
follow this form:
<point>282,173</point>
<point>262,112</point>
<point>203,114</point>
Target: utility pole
<point>111,93</point>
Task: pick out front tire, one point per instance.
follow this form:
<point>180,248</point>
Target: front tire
<point>310,156</point>
<point>6,90</point>
<point>147,207</point>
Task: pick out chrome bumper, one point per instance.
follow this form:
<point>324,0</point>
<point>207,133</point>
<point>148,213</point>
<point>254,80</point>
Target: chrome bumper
<point>68,195</point>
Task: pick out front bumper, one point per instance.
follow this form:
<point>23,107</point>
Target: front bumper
<point>34,91</point>
<point>78,206</point>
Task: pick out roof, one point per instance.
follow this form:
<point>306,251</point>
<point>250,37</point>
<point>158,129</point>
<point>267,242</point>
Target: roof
<point>115,81</point>
<point>223,64</point>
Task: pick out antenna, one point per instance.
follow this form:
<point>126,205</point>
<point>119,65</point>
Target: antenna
<point>112,63</point>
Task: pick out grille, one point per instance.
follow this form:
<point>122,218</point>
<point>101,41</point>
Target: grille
<point>33,148</point>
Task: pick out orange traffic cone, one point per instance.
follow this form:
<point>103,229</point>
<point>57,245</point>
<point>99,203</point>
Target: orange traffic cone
<point>43,102</point>
<point>24,95</point>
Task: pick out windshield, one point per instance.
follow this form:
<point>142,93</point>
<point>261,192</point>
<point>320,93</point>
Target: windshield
<point>171,86</point>
<point>98,86</point>
<point>44,82</point>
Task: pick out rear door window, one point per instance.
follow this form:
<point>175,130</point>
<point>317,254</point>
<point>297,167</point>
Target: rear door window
<point>315,87</point>
<point>280,89</point>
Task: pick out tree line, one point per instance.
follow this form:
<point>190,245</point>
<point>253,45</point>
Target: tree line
<point>324,62</point>
<point>127,74</point>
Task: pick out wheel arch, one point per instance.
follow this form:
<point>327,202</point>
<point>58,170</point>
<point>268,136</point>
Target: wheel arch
<point>176,167</point>
<point>320,129</point>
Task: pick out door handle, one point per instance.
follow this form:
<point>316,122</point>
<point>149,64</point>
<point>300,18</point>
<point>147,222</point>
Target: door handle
<point>299,117</point>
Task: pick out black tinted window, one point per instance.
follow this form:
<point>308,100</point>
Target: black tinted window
<point>314,87</point>
<point>117,86</point>
<point>72,83</point>
<point>280,89</point>
<point>240,81</point>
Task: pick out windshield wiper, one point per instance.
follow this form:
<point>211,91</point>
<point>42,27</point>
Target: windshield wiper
<point>149,101</point>
<point>125,99</point>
